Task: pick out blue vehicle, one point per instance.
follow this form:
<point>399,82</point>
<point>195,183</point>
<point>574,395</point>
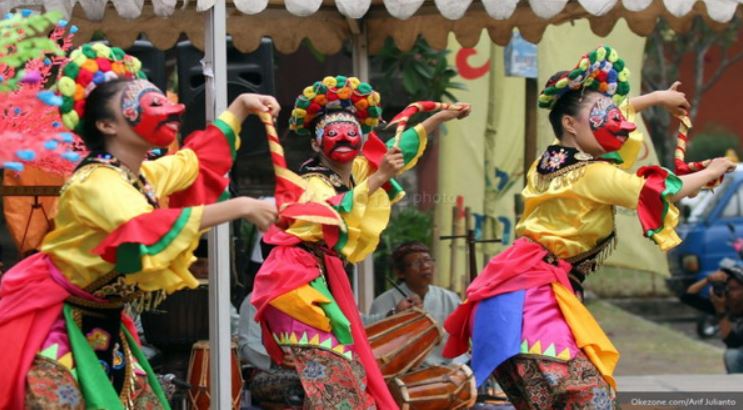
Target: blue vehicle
<point>713,222</point>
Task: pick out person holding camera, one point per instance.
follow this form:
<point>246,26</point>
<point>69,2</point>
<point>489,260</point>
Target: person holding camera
<point>726,296</point>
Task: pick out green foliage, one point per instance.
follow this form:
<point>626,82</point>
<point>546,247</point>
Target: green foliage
<point>425,72</point>
<point>712,142</point>
<point>666,51</point>
<point>407,224</point>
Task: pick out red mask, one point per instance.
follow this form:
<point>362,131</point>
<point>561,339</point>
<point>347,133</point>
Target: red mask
<point>609,126</point>
<point>149,112</point>
<point>341,141</point>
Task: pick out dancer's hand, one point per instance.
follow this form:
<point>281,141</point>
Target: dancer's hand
<point>719,167</point>
<point>261,213</point>
<point>432,122</point>
<point>463,111</point>
<point>392,163</point>
<point>259,103</point>
<point>695,181</point>
<point>673,100</point>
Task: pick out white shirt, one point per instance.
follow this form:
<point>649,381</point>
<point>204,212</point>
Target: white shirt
<point>249,338</point>
<point>438,302</point>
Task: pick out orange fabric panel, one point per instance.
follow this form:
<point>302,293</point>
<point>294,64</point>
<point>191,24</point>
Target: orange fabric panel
<point>27,222</point>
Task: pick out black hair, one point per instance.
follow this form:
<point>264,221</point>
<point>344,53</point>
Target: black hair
<point>313,126</point>
<point>567,104</point>
<point>405,249</point>
<point>97,108</point>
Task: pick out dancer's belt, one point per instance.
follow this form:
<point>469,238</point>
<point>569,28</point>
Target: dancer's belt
<point>113,292</point>
<point>585,263</point>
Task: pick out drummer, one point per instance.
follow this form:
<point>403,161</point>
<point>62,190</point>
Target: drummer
<point>415,268</point>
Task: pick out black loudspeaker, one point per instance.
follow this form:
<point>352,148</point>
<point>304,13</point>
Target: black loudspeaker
<point>246,73</point>
<point>153,62</point>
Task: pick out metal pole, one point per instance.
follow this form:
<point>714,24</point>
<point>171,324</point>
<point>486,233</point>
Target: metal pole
<point>215,71</point>
<point>530,126</point>
<point>364,283</point>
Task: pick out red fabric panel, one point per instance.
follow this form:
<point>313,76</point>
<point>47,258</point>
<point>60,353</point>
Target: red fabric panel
<point>651,204</point>
<point>145,229</point>
<point>343,294</point>
<point>215,161</point>
<point>374,150</point>
<point>30,301</point>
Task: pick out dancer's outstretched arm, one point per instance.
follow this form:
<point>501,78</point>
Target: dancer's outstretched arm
<point>260,213</point>
<point>671,99</point>
<point>695,181</point>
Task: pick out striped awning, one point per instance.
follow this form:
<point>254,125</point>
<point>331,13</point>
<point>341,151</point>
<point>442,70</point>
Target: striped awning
<point>327,23</point>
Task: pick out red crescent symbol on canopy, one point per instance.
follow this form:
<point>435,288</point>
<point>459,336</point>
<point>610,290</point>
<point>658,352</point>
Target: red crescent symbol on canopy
<point>467,71</point>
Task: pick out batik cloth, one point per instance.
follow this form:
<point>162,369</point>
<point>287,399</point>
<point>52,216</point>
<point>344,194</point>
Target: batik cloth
<point>538,383</point>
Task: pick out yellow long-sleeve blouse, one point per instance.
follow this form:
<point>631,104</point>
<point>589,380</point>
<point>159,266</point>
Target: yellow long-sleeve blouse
<point>98,199</point>
<point>571,210</point>
<point>364,214</point>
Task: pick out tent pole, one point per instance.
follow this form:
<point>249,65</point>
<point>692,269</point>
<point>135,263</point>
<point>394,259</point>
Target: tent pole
<point>530,125</point>
<point>215,71</point>
<point>364,274</point>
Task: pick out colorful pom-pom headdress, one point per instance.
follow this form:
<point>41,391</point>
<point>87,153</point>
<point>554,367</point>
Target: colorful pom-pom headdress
<point>89,66</point>
<point>600,70</point>
<point>336,94</point>
<point>32,48</point>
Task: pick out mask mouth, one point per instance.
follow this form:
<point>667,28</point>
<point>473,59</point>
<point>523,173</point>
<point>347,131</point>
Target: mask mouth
<point>173,121</point>
<point>622,135</point>
<point>344,146</point>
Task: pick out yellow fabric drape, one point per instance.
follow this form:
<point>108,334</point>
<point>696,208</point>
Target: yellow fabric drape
<point>303,304</point>
<point>588,334</point>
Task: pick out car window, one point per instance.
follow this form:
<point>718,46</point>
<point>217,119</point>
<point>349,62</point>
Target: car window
<point>707,201</point>
<point>701,205</point>
<point>733,207</point>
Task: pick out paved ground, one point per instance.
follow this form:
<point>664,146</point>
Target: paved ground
<point>682,383</point>
<point>667,311</point>
<point>649,348</point>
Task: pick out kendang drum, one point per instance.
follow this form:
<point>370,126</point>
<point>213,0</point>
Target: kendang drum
<point>199,396</point>
<point>435,387</point>
<point>402,341</point>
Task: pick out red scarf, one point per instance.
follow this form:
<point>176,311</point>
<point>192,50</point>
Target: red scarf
<point>289,267</point>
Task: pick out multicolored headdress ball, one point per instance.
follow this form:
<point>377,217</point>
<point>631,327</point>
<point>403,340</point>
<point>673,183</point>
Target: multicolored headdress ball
<point>89,66</point>
<point>600,70</point>
<point>334,94</point>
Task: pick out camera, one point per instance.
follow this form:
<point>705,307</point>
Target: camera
<point>718,288</point>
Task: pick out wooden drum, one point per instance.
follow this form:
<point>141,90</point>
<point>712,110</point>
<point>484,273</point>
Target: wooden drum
<point>198,377</point>
<point>402,341</point>
<point>435,387</point>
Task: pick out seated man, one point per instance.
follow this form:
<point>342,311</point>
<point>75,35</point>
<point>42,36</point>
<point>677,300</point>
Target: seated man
<point>414,266</point>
